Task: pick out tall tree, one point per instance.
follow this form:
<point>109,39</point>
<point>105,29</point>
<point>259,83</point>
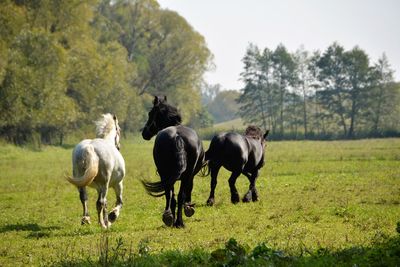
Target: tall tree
<point>381,96</point>
<point>305,79</point>
<point>283,73</point>
<point>253,99</point>
<point>358,75</point>
<point>170,55</point>
<point>224,106</point>
<point>34,85</point>
<point>332,77</point>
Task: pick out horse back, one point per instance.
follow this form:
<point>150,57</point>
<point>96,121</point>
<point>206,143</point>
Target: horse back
<point>230,150</point>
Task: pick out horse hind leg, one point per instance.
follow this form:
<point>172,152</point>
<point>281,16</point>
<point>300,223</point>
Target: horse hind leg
<point>214,169</point>
<point>234,192</point>
<point>113,215</point>
<point>188,206</point>
<point>101,206</point>
<point>251,194</point>
<point>170,204</point>
<point>83,197</point>
<point>179,221</point>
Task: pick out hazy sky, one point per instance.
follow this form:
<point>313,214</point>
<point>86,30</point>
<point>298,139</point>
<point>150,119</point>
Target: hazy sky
<point>230,25</point>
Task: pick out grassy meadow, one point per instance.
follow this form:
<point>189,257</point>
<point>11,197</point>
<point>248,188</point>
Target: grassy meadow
<point>321,203</point>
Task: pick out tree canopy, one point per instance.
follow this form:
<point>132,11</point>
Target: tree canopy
<point>62,63</point>
<point>336,93</point>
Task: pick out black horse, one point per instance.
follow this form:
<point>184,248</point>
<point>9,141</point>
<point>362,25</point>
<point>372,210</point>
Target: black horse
<point>178,154</point>
<point>238,154</point>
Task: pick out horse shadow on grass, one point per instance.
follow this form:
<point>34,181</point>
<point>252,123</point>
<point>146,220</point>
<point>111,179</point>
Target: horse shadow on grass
<point>35,230</point>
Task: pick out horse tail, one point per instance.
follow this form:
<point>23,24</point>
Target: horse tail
<point>89,163</point>
<point>205,168</point>
<point>180,155</point>
<point>155,189</point>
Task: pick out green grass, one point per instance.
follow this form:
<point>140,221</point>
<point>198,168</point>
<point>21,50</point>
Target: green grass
<point>321,203</point>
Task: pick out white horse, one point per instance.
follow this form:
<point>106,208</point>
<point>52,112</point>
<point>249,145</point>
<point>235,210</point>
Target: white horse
<point>98,163</point>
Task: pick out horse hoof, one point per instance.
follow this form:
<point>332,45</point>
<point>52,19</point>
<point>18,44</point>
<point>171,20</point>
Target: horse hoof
<point>189,211</point>
<point>104,226</point>
<point>245,200</point>
<point>85,220</point>
<point>210,202</point>
<point>235,199</point>
<point>112,217</point>
<point>179,225</point>
<point>168,218</point>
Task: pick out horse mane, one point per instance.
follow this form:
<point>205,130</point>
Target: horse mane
<point>254,132</point>
<point>172,114</point>
<point>105,125</point>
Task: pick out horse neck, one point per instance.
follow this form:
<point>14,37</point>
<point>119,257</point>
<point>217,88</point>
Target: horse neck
<point>110,137</point>
<point>168,123</point>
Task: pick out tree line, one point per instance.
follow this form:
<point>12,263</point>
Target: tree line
<point>336,93</point>
<point>62,63</point>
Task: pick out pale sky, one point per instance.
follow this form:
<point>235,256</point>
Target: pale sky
<point>230,25</point>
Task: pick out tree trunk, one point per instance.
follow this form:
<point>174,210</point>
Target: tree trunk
<point>304,112</point>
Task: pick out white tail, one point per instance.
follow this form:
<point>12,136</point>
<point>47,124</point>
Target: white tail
<point>91,167</point>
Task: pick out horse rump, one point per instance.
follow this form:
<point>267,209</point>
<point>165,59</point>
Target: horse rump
<point>86,163</point>
<point>180,155</point>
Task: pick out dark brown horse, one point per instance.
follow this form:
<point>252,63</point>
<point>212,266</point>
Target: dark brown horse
<point>240,155</point>
<point>178,154</point>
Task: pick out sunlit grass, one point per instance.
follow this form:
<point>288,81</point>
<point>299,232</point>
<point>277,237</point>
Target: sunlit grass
<point>313,195</point>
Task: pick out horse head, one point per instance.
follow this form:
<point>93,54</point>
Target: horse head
<point>256,133</point>
<point>117,132</point>
<point>162,115</point>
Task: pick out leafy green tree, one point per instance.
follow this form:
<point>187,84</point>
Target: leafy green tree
<point>358,80</point>
<point>332,77</point>
<point>203,119</point>
<point>283,74</point>
<point>224,106</point>
<point>171,57</point>
<point>252,100</point>
<point>209,92</point>
<point>33,90</point>
<point>304,86</point>
<point>383,96</point>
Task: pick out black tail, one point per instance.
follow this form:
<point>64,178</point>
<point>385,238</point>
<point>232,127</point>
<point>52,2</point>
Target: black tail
<point>180,155</point>
<point>155,189</point>
<point>205,169</point>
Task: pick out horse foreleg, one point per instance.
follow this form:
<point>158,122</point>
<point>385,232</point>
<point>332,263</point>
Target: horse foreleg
<point>101,206</point>
<point>214,174</point>
<point>113,215</point>
<point>234,192</point>
<point>252,192</point>
<point>83,197</point>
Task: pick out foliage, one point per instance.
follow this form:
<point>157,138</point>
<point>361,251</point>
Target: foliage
<point>321,203</point>
<point>223,106</point>
<point>337,93</point>
<point>62,63</point>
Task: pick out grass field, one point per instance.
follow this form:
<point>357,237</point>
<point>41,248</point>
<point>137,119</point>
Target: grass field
<point>326,203</point>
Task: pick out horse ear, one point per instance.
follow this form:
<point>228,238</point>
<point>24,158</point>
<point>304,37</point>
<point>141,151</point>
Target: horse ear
<point>266,134</point>
<point>156,100</point>
<point>165,98</point>
<point>115,117</point>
